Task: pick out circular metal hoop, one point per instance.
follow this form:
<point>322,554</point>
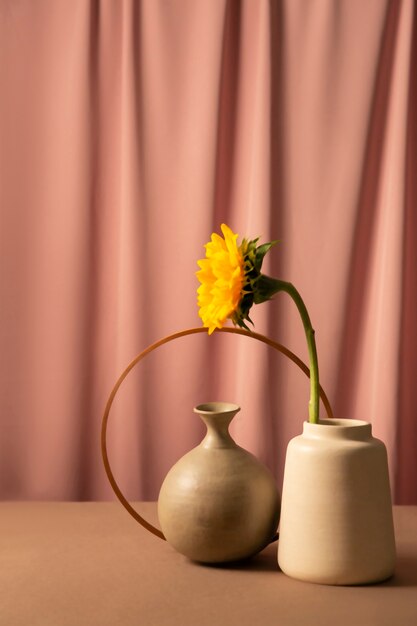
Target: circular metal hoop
<point>190,331</point>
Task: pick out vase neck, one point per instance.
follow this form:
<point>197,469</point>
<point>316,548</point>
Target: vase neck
<point>217,417</point>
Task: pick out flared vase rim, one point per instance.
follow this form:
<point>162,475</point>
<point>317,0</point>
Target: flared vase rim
<point>216,408</point>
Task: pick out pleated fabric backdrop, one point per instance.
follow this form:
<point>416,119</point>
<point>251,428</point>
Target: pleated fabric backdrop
<point>129,132</point>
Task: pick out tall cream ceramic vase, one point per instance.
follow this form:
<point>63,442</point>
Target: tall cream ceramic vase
<point>336,518</point>
<point>218,503</point>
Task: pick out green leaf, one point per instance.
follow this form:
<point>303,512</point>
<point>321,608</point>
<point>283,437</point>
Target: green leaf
<point>260,253</point>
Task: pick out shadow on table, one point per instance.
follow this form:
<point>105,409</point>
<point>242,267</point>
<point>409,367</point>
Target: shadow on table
<point>265,561</point>
<point>405,572</point>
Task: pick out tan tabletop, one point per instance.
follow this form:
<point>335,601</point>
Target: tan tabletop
<point>92,564</point>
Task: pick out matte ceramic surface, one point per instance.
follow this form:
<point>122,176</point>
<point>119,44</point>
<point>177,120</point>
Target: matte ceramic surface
<point>336,519</point>
<point>218,503</point>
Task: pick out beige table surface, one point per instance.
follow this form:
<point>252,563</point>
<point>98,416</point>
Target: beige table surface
<point>92,564</point>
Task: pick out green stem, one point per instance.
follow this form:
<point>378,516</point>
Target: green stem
<point>266,287</point>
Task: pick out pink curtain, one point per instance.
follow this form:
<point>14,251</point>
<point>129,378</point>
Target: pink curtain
<point>129,132</point>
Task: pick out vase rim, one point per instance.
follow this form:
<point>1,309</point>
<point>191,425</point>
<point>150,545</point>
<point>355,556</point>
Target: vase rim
<point>211,408</point>
<point>339,421</point>
<point>339,427</point>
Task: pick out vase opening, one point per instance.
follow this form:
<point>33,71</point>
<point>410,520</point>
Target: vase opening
<point>339,428</point>
<point>210,408</point>
<point>341,421</point>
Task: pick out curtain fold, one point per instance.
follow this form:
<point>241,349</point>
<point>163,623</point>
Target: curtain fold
<point>129,131</point>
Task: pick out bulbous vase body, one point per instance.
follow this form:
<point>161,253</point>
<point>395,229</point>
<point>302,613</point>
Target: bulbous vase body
<point>218,503</point>
<point>336,519</point>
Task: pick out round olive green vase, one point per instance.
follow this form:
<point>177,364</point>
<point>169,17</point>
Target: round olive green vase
<point>336,519</point>
<point>218,503</point>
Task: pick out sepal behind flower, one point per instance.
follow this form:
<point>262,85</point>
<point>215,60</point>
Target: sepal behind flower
<point>257,288</point>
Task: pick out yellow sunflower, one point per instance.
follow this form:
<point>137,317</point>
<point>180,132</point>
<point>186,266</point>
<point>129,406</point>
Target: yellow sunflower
<point>222,278</point>
<point>232,282</point>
